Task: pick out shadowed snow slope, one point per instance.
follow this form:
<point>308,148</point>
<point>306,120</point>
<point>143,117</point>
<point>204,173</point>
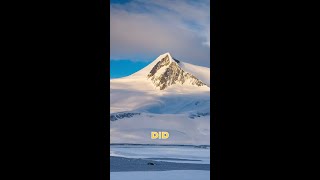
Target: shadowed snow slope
<point>167,95</point>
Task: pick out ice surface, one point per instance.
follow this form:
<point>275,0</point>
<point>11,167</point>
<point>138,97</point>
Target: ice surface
<point>162,175</point>
<point>163,153</point>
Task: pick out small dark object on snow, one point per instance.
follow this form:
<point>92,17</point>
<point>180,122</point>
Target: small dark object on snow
<point>150,163</point>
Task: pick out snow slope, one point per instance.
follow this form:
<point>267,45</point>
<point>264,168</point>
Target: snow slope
<point>167,95</point>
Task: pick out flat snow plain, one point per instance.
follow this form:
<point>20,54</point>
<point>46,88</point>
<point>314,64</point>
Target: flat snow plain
<point>162,175</point>
<point>170,162</point>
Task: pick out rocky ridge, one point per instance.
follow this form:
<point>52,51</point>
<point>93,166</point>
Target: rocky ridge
<point>168,72</point>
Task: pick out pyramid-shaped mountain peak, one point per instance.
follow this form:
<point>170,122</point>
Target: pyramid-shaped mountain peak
<point>167,72</point>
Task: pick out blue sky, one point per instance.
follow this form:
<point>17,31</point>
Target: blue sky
<point>121,68</point>
<point>141,30</point>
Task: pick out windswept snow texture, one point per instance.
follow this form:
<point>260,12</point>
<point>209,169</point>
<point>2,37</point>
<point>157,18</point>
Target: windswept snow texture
<point>168,153</point>
<point>167,95</point>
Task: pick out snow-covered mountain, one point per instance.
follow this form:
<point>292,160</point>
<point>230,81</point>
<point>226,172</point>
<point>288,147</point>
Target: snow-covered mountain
<point>167,72</point>
<point>167,95</point>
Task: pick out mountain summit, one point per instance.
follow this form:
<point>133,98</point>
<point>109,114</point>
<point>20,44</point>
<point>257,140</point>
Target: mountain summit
<point>166,71</point>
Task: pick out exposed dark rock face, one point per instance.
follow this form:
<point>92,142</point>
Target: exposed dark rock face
<point>198,114</point>
<point>164,62</point>
<point>176,60</point>
<point>203,146</point>
<point>173,74</point>
<point>117,116</point>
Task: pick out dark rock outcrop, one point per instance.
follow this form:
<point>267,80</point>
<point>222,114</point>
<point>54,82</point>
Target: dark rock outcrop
<point>117,116</point>
<point>173,74</point>
<point>198,114</point>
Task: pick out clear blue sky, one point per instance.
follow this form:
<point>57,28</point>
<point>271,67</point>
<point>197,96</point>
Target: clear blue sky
<point>121,68</point>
